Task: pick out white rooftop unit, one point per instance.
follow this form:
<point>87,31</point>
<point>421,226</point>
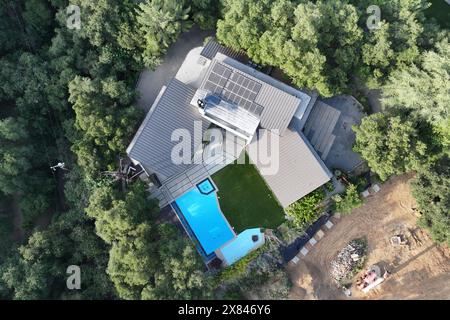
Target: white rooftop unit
<point>227,115</point>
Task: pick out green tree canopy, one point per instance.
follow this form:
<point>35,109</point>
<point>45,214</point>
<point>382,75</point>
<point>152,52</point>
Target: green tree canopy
<point>105,120</point>
<point>423,89</point>
<point>38,269</point>
<point>323,44</point>
<point>145,261</point>
<point>431,189</point>
<point>390,145</point>
<point>160,23</point>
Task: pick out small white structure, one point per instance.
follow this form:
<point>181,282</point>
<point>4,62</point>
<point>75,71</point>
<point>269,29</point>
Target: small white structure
<point>295,260</point>
<point>312,241</point>
<point>319,234</point>
<point>365,193</point>
<point>376,188</point>
<point>304,251</point>
<point>329,224</point>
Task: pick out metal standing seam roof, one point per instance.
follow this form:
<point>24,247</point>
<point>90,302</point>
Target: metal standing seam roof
<point>278,105</point>
<point>300,170</point>
<point>212,47</point>
<point>152,145</point>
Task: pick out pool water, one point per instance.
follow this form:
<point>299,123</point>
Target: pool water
<point>202,213</point>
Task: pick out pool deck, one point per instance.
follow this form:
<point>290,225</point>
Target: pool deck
<point>181,183</point>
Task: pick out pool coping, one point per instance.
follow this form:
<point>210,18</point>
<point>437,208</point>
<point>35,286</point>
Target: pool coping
<point>212,184</point>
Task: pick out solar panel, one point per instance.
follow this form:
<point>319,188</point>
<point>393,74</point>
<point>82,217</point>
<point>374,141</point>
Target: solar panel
<point>234,87</point>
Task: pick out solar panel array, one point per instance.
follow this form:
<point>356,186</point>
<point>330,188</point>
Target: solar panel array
<point>234,87</point>
<point>218,78</point>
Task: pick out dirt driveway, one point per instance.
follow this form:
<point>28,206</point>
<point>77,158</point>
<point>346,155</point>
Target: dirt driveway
<point>419,270</point>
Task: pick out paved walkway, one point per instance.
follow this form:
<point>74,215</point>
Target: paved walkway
<point>151,81</point>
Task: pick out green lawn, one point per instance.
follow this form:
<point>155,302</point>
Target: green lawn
<point>440,10</point>
<point>245,199</point>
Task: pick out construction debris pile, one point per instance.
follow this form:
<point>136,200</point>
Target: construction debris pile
<point>349,261</point>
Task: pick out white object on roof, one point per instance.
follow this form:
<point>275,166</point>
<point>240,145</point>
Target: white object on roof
<point>295,260</point>
<point>227,115</point>
<point>312,241</point>
<point>376,187</point>
<point>304,251</point>
<point>329,224</point>
<point>365,193</point>
<point>337,215</point>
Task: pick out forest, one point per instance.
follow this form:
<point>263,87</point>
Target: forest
<point>67,95</point>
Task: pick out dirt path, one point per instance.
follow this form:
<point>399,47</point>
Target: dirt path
<point>420,270</point>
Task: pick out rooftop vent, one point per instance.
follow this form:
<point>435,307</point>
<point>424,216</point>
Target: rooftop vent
<point>201,104</point>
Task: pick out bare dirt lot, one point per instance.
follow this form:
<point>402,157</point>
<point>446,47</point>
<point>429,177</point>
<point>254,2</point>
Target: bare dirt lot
<point>419,270</point>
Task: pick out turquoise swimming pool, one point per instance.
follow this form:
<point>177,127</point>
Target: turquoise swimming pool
<point>200,209</point>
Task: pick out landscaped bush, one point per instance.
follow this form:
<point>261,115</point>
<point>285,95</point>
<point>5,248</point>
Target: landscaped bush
<point>288,232</point>
<point>359,181</point>
<point>329,187</point>
<point>262,278</point>
<point>275,287</point>
<point>237,269</point>
<point>304,211</point>
<point>233,292</point>
<point>349,201</point>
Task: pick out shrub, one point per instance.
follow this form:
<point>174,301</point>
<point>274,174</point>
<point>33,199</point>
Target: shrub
<point>349,201</point>
<point>329,187</point>
<point>288,232</point>
<point>304,211</point>
<point>238,269</point>
<point>263,279</point>
<point>359,181</point>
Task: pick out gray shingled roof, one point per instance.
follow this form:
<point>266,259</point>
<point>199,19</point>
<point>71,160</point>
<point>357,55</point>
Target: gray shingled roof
<point>152,145</point>
<point>300,170</point>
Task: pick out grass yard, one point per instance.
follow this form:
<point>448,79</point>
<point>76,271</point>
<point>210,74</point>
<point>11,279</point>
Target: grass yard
<point>245,199</point>
<point>439,10</point>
